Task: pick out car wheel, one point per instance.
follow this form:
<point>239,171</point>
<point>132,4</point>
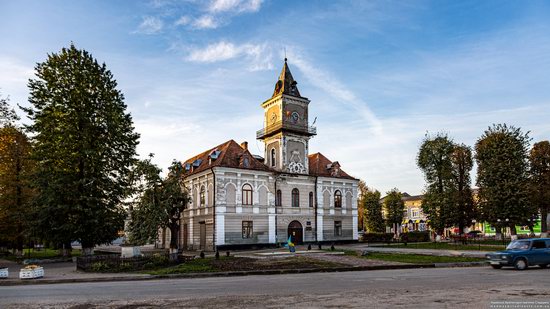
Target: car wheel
<point>543,265</point>
<point>520,264</point>
<point>496,266</point>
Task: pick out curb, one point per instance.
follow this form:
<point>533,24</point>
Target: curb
<point>15,282</point>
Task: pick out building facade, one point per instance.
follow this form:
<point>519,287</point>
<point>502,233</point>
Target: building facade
<point>241,199</point>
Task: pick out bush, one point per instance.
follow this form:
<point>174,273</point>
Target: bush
<point>377,237</point>
<point>416,236</point>
<point>99,267</point>
<point>159,259</point>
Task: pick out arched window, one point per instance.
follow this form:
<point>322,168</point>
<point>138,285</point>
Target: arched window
<point>310,199</point>
<point>278,198</point>
<point>247,194</point>
<point>273,162</point>
<point>295,198</point>
<point>337,199</point>
<point>202,196</point>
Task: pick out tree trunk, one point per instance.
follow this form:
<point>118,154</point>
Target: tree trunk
<point>544,222</point>
<point>174,229</point>
<point>65,249</point>
<point>513,233</point>
<point>498,233</point>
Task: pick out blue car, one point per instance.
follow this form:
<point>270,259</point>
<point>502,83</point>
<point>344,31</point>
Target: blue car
<point>522,253</point>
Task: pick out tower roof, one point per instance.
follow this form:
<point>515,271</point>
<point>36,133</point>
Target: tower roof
<point>286,83</point>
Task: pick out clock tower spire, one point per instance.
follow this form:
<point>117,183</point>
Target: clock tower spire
<point>286,131</point>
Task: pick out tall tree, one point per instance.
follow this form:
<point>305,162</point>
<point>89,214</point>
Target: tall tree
<point>539,180</point>
<point>362,187</point>
<point>394,207</point>
<point>8,116</point>
<point>448,199</point>
<point>502,160</point>
<point>85,146</point>
<point>160,205</point>
<point>15,191</point>
<point>435,160</point>
<point>462,211</point>
<point>373,211</point>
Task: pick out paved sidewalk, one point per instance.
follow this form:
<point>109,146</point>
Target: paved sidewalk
<point>60,271</point>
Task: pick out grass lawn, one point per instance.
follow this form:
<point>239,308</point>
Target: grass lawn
<point>418,258</point>
<point>449,246</point>
<point>42,254</point>
<point>210,264</point>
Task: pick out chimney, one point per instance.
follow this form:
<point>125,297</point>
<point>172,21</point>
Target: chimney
<point>244,145</point>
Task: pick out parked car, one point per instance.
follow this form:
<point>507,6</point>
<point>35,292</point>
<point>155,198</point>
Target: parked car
<point>522,253</point>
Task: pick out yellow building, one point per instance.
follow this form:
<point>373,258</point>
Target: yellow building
<point>414,218</point>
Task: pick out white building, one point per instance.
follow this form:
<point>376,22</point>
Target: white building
<point>239,199</point>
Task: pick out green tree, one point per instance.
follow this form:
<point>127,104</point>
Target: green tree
<point>7,113</point>
<point>539,181</point>
<point>394,207</point>
<point>448,199</point>
<point>15,169</point>
<point>502,160</point>
<point>435,160</point>
<point>373,211</point>
<point>362,187</point>
<point>160,204</point>
<point>85,145</point>
<point>462,211</point>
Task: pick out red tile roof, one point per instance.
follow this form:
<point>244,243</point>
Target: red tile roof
<point>231,155</point>
<point>318,167</point>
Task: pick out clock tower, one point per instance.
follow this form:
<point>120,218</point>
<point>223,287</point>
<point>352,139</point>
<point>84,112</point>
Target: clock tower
<point>286,131</point>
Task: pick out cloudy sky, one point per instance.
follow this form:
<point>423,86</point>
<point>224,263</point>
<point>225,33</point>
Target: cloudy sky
<point>379,74</point>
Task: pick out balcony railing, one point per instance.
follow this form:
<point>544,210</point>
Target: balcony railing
<point>280,125</point>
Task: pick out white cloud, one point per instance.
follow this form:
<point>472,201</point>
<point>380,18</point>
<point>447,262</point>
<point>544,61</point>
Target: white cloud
<point>205,22</point>
<point>238,6</point>
<point>336,89</point>
<point>183,21</point>
<point>150,25</point>
<point>258,56</point>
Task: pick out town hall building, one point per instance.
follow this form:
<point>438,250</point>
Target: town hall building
<point>241,199</point>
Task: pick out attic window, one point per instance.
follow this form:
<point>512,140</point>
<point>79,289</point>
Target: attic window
<point>187,167</point>
<point>246,162</point>
<point>215,154</point>
<point>197,163</point>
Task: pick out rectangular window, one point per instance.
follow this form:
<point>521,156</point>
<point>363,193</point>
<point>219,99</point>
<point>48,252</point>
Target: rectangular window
<point>337,228</point>
<point>247,229</point>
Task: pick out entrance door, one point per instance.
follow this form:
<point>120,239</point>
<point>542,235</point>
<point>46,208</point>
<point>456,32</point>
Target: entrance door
<point>296,232</point>
<point>202,235</point>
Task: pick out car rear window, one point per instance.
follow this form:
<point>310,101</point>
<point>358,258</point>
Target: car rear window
<point>539,244</point>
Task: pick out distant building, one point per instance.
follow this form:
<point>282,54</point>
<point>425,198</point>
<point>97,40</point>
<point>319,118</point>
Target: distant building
<point>241,199</point>
<point>414,218</point>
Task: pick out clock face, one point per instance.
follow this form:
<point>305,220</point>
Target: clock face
<point>295,117</point>
<point>273,117</point>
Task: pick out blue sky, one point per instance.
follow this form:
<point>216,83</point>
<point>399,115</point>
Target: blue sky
<point>379,74</point>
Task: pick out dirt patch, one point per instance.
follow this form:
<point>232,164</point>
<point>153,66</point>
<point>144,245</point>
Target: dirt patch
<point>295,262</point>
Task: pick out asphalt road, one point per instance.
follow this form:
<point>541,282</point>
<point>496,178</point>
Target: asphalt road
<point>474,287</point>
